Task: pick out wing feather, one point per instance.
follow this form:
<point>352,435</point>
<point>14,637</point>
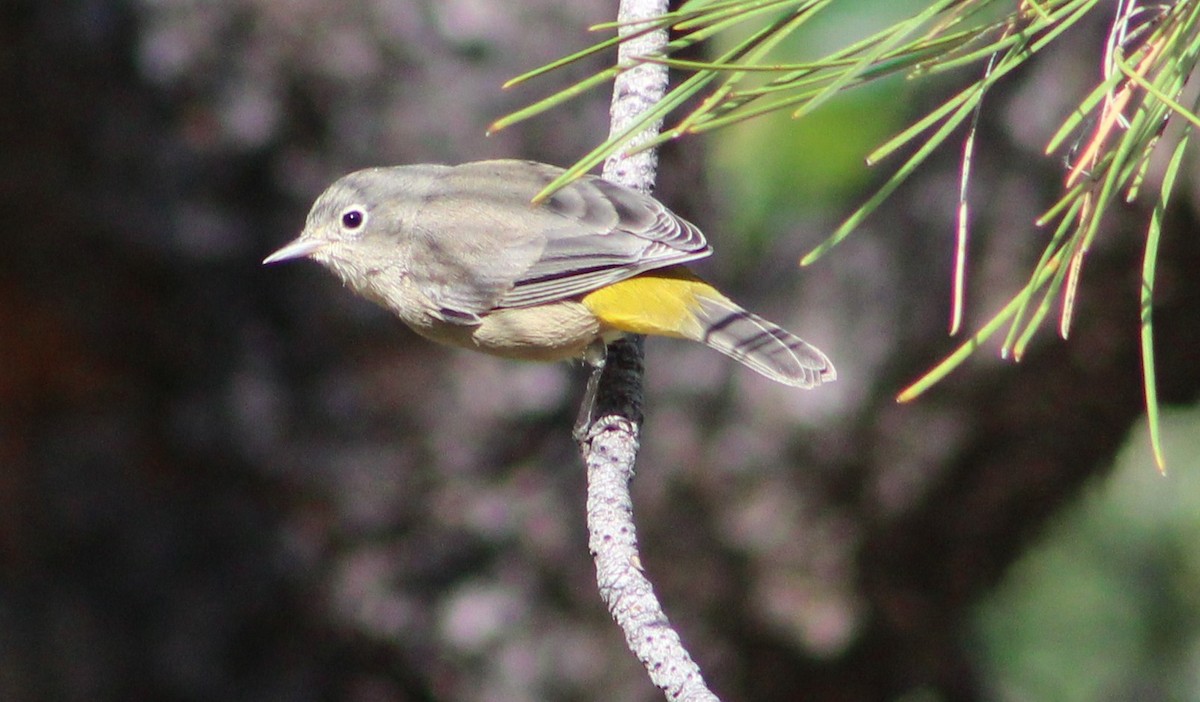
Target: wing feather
<point>607,233</point>
<point>508,253</point>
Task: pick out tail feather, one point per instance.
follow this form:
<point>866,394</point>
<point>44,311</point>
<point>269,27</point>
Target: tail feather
<point>761,345</point>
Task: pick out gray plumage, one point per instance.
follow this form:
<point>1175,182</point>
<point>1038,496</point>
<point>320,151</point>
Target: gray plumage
<point>506,252</point>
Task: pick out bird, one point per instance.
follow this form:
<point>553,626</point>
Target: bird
<point>464,256</point>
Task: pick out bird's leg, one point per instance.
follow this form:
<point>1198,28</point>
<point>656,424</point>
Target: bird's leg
<point>594,356</point>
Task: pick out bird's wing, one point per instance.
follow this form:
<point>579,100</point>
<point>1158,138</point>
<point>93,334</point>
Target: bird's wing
<point>508,253</point>
<point>598,233</point>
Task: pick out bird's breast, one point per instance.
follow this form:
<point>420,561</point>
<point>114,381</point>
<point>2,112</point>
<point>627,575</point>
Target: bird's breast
<point>552,332</point>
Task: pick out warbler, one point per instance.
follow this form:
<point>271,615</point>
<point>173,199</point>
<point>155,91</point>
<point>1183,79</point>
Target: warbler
<point>463,256</point>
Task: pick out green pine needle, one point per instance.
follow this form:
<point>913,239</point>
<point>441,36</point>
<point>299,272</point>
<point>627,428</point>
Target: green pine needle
<point>1109,141</point>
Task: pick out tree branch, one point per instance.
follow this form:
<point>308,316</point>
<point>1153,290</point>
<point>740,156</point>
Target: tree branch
<point>611,442</point>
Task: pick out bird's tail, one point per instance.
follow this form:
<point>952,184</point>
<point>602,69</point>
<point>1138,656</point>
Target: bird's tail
<point>675,302</point>
<point>760,345</point>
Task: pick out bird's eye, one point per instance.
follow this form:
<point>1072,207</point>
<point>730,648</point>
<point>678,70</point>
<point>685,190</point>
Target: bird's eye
<point>353,217</point>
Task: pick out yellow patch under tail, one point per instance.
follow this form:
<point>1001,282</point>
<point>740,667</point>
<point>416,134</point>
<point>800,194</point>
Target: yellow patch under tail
<point>662,302</point>
<point>674,302</point>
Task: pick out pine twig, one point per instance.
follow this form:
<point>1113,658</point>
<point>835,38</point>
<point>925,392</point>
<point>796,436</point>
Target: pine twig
<point>610,443</point>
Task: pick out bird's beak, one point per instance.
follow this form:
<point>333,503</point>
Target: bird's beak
<point>297,249</point>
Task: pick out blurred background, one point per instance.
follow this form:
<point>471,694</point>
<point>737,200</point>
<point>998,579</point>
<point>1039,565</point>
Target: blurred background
<point>220,481</point>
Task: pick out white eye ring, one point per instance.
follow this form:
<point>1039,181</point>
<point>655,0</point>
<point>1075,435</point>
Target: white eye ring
<point>353,218</point>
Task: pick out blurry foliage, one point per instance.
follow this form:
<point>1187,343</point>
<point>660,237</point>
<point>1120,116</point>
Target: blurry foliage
<point>1107,607</point>
<point>776,170</point>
